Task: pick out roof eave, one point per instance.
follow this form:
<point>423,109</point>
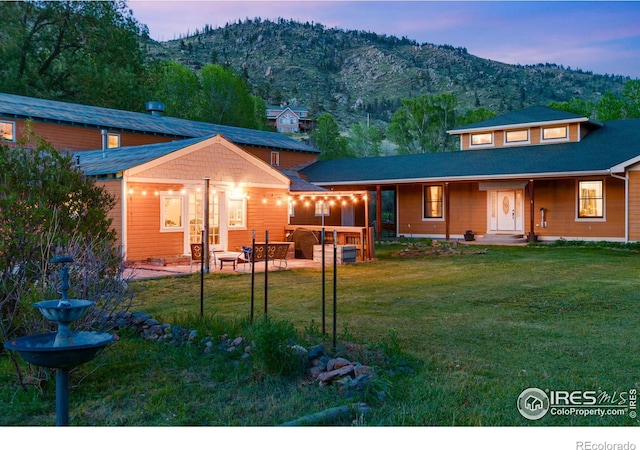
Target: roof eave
<point>522,125</point>
<point>468,178</point>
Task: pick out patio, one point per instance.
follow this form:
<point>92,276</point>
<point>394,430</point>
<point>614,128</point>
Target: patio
<point>146,271</point>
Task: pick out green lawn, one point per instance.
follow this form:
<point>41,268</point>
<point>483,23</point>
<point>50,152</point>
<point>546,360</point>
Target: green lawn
<point>466,332</point>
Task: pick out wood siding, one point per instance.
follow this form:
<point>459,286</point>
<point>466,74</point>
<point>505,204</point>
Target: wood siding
<point>263,214</point>
<point>468,211</point>
<point>114,188</point>
<point>81,138</point>
<point>535,134</point>
<point>144,238</point>
<point>467,207</point>
<point>288,160</point>
<point>634,204</point>
<point>559,198</point>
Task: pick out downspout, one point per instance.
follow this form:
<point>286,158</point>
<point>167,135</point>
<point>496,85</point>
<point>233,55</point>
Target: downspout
<point>626,203</point>
<point>104,143</point>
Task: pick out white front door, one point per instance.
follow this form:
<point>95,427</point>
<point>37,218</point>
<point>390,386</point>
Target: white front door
<point>506,211</point>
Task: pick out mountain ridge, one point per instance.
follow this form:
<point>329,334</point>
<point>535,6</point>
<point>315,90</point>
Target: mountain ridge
<point>359,75</point>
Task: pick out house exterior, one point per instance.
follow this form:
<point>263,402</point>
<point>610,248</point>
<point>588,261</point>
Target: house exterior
<point>70,126</point>
<point>155,167</point>
<point>160,192</point>
<point>289,119</point>
<point>535,174</point>
<point>538,173</point>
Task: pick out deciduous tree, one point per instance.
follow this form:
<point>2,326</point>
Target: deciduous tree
<point>86,52</point>
<point>326,138</point>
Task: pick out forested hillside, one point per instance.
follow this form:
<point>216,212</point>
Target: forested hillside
<point>356,74</point>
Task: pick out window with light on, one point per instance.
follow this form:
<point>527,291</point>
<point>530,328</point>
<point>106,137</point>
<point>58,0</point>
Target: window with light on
<point>482,139</point>
<point>590,199</point>
<point>7,131</point>
<point>433,200</point>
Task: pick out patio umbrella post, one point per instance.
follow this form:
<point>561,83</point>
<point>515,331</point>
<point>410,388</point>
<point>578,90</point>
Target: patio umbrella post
<point>202,279</point>
<point>335,288</point>
<point>253,271</point>
<point>266,270</point>
<point>323,278</point>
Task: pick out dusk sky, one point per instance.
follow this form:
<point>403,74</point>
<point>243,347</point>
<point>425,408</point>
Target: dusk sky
<point>598,36</point>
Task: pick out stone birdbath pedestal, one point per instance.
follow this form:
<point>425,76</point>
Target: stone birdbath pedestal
<point>64,349</point>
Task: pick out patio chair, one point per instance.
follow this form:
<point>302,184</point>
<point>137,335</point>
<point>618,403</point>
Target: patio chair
<point>245,257</point>
<point>196,256</point>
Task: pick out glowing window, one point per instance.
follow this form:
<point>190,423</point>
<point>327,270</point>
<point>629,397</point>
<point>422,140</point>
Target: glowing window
<point>516,136</point>
<point>171,213</point>
<point>113,140</point>
<point>275,158</point>
<point>7,131</point>
<point>433,201</point>
<point>482,139</point>
<point>590,199</point>
<point>555,133</point>
<point>237,213</point>
<point>322,209</point>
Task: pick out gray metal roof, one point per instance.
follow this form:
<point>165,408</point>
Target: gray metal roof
<point>117,120</point>
<point>615,143</point>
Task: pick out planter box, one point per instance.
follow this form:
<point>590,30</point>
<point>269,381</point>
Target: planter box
<point>344,254</point>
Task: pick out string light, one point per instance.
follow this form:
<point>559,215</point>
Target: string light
<point>307,199</point>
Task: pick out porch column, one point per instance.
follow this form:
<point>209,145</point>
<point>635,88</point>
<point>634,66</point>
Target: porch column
<point>532,234</point>
<point>205,228</point>
<point>447,217</point>
<point>378,211</point>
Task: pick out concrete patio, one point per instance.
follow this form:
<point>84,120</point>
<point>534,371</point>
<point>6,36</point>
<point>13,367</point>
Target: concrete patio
<point>141,271</point>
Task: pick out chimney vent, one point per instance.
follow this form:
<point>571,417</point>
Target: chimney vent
<point>155,108</point>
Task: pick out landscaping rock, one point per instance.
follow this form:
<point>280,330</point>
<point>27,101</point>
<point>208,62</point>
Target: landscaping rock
<point>316,352</point>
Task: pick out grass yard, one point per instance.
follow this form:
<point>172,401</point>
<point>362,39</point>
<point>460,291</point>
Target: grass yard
<point>466,333</point>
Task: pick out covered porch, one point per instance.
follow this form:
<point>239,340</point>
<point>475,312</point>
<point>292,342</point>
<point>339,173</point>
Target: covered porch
<point>342,215</point>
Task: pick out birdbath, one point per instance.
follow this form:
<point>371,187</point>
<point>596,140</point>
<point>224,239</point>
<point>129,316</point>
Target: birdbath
<point>64,349</point>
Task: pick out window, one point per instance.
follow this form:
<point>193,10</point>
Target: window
<point>171,213</point>
<point>275,158</point>
<point>590,199</point>
<point>113,140</point>
<point>554,133</point>
<point>433,201</point>
<point>292,209</point>
<point>482,139</point>
<point>237,213</point>
<point>516,136</point>
<point>322,209</point>
<point>7,131</point>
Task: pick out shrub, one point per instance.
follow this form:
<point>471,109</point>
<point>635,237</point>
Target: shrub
<point>273,347</point>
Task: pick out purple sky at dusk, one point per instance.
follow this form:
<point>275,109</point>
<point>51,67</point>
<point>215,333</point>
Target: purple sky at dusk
<point>598,36</point>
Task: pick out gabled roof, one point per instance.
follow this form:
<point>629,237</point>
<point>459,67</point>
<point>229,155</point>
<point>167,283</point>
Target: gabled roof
<point>19,107</point>
<point>115,160</point>
<point>532,116</point>
<point>610,148</point>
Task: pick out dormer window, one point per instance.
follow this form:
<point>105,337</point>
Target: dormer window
<point>555,133</point>
<point>481,139</point>
<point>516,137</point>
